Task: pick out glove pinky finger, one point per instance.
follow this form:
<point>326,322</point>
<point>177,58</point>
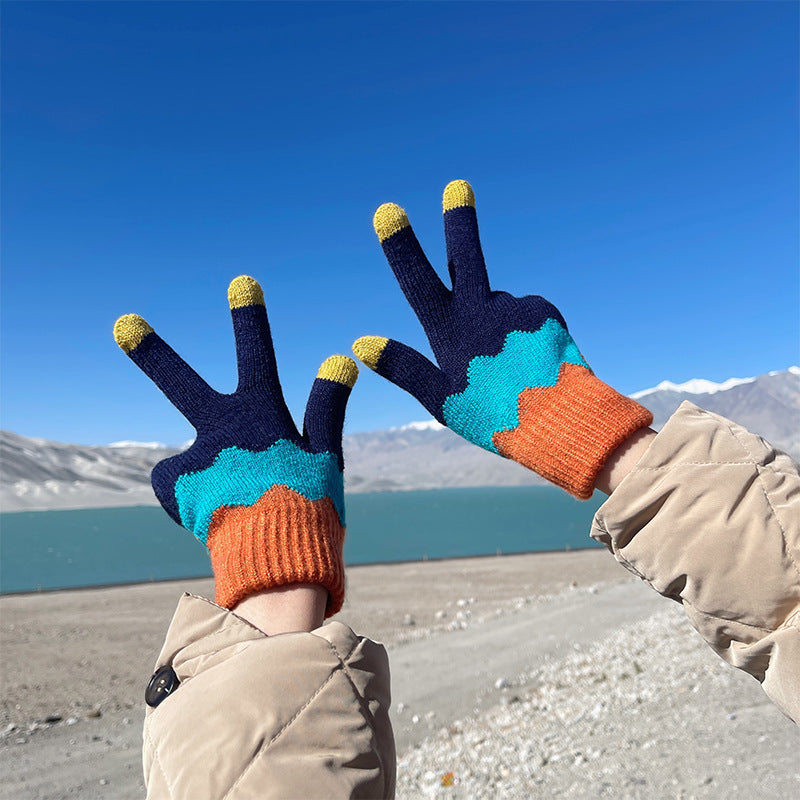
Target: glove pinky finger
<point>406,368</point>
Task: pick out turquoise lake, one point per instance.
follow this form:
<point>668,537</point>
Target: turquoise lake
<point>43,550</point>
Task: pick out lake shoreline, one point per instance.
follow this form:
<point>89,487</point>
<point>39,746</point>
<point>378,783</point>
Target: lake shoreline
<point>103,547</point>
<point>208,576</point>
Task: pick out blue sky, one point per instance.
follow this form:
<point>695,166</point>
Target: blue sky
<point>635,163</point>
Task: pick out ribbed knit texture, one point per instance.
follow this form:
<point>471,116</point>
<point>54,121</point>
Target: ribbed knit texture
<point>282,538</point>
<point>567,432</point>
<point>509,376</point>
<point>266,500</point>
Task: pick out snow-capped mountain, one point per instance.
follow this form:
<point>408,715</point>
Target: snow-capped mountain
<point>38,474</point>
<point>768,404</point>
<point>702,386</point>
<point>693,386</point>
<point>424,425</point>
<point>143,445</point>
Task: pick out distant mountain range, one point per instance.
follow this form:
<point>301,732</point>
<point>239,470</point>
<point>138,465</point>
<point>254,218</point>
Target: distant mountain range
<point>768,405</point>
<point>36,474</point>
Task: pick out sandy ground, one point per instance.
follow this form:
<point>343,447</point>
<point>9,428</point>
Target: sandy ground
<point>543,675</point>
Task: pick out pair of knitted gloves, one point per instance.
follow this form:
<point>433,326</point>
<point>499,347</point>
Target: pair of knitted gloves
<point>268,502</point>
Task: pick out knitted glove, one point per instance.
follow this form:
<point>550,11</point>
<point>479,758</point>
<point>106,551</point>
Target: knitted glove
<point>267,502</point>
<point>510,377</point>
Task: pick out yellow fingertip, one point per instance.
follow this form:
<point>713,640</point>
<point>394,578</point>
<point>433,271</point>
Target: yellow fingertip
<point>340,369</point>
<point>369,349</point>
<point>129,330</point>
<point>388,220</point>
<point>457,194</point>
<point>245,291</point>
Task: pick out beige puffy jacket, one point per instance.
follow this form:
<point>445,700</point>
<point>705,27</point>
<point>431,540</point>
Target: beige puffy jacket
<point>255,717</point>
<point>710,517</point>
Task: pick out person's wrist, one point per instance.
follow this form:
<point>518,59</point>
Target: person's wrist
<point>285,609</point>
<point>568,432</point>
<point>623,460</point>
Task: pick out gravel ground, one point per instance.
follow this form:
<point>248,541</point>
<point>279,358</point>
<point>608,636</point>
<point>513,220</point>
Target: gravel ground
<point>647,712</point>
<point>541,675</point>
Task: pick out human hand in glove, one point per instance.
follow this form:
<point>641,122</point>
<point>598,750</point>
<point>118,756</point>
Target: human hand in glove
<point>509,376</point>
<point>267,501</point>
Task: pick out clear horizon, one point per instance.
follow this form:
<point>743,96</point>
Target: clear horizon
<point>634,163</point>
<point>692,386</point>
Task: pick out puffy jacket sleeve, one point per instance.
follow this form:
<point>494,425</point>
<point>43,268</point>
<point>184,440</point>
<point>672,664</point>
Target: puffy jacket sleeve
<point>710,517</point>
<point>259,717</point>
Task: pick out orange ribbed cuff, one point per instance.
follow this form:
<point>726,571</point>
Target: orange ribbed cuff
<point>568,431</point>
<point>282,538</point>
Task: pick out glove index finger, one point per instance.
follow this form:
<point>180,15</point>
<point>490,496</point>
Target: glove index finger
<point>421,285</point>
<point>324,418</point>
<point>339,369</point>
<point>183,387</point>
<point>388,220</point>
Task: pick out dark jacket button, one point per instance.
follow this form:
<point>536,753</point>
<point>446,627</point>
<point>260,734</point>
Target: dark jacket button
<point>161,686</point>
